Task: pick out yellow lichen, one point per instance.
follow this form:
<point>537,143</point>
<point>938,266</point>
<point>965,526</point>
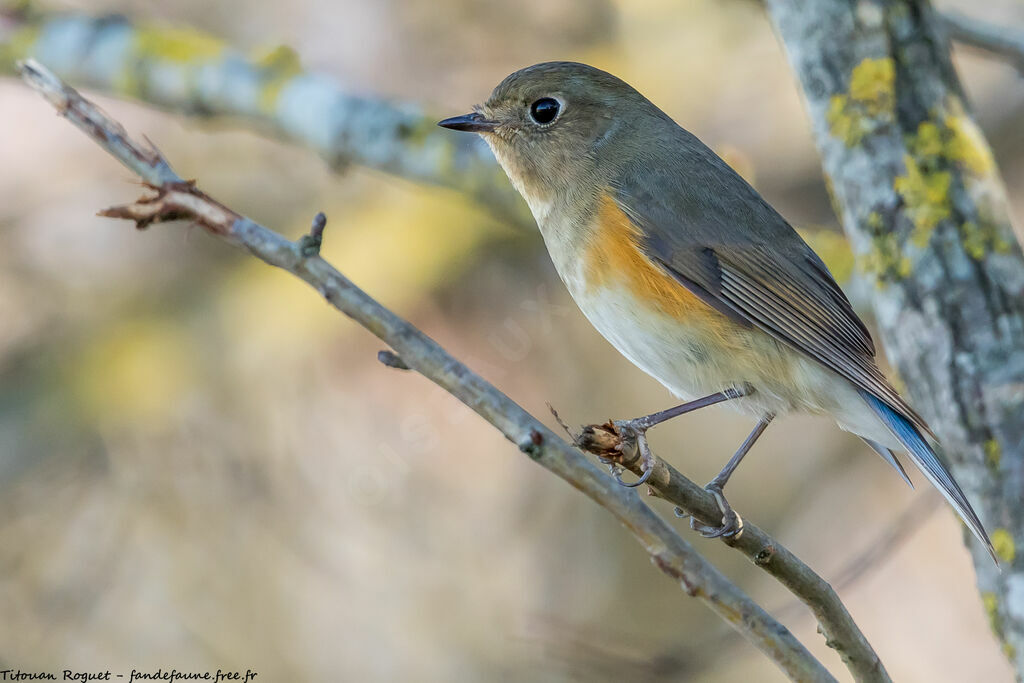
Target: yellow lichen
<point>979,240</point>
<point>993,454</point>
<point>279,64</point>
<point>1002,542</point>
<point>843,123</point>
<point>161,43</point>
<point>18,46</point>
<point>971,238</point>
<point>869,102</point>
<point>956,138</point>
<point>967,146</point>
<point>885,261</point>
<point>928,141</point>
<point>277,58</point>
<point>945,143</point>
<point>947,146</point>
<point>872,84</point>
<point>925,196</point>
<point>991,604</point>
<point>176,44</point>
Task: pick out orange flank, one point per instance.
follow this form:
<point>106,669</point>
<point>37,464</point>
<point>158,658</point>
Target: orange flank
<point>714,350</point>
<point>614,257</point>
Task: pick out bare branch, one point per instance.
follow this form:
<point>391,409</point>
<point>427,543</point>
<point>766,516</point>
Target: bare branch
<point>175,198</point>
<point>835,622</point>
<point>1004,41</point>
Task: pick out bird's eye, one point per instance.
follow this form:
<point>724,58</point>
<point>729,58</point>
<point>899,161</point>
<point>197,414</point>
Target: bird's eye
<point>544,110</point>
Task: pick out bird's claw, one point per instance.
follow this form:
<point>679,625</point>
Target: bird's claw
<point>634,435</point>
<point>633,432</point>
<point>639,482</point>
<point>616,470</point>
<point>732,523</point>
<point>732,527</point>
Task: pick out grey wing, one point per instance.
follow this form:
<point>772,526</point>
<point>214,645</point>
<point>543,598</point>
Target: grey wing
<point>739,255</point>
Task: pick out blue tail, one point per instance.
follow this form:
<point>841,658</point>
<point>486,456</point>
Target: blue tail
<point>930,464</point>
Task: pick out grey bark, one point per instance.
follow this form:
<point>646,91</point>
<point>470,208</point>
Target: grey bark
<point>921,199</point>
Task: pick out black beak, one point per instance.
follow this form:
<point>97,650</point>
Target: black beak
<point>472,123</point>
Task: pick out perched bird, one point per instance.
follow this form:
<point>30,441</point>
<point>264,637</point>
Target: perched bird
<point>689,272</point>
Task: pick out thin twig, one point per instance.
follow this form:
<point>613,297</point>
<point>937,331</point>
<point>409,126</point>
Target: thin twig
<point>391,359</point>
<point>836,624</point>
<point>1004,41</point>
<point>311,243</point>
<point>175,198</point>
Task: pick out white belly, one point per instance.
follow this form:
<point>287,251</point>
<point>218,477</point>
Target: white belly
<point>688,364</point>
<point>673,354</point>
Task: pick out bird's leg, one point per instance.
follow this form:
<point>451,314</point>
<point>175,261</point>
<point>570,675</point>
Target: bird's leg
<point>635,430</point>
<point>732,524</point>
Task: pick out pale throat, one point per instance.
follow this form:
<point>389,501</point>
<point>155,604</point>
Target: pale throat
<point>540,200</point>
<point>565,223</point>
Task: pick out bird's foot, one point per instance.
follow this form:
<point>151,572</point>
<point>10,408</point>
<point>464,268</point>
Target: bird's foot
<point>618,441</point>
<point>634,435</point>
<point>732,523</point>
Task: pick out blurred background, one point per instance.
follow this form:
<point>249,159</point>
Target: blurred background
<point>202,465</point>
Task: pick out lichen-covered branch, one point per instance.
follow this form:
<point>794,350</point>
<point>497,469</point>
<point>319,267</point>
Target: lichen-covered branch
<point>921,199</point>
<point>174,198</point>
<point>185,70</point>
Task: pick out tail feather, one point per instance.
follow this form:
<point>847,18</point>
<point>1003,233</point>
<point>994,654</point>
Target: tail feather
<point>928,461</point>
<point>889,457</point>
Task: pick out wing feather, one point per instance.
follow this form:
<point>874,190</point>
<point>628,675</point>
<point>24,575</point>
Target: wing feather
<point>738,254</point>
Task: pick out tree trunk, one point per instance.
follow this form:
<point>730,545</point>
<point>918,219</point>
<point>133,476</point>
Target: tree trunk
<point>919,195</point>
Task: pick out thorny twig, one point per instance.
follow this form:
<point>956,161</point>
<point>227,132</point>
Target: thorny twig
<point>176,198</point>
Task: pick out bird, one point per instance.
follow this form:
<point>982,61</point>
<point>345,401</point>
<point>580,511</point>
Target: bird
<point>690,273</point>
